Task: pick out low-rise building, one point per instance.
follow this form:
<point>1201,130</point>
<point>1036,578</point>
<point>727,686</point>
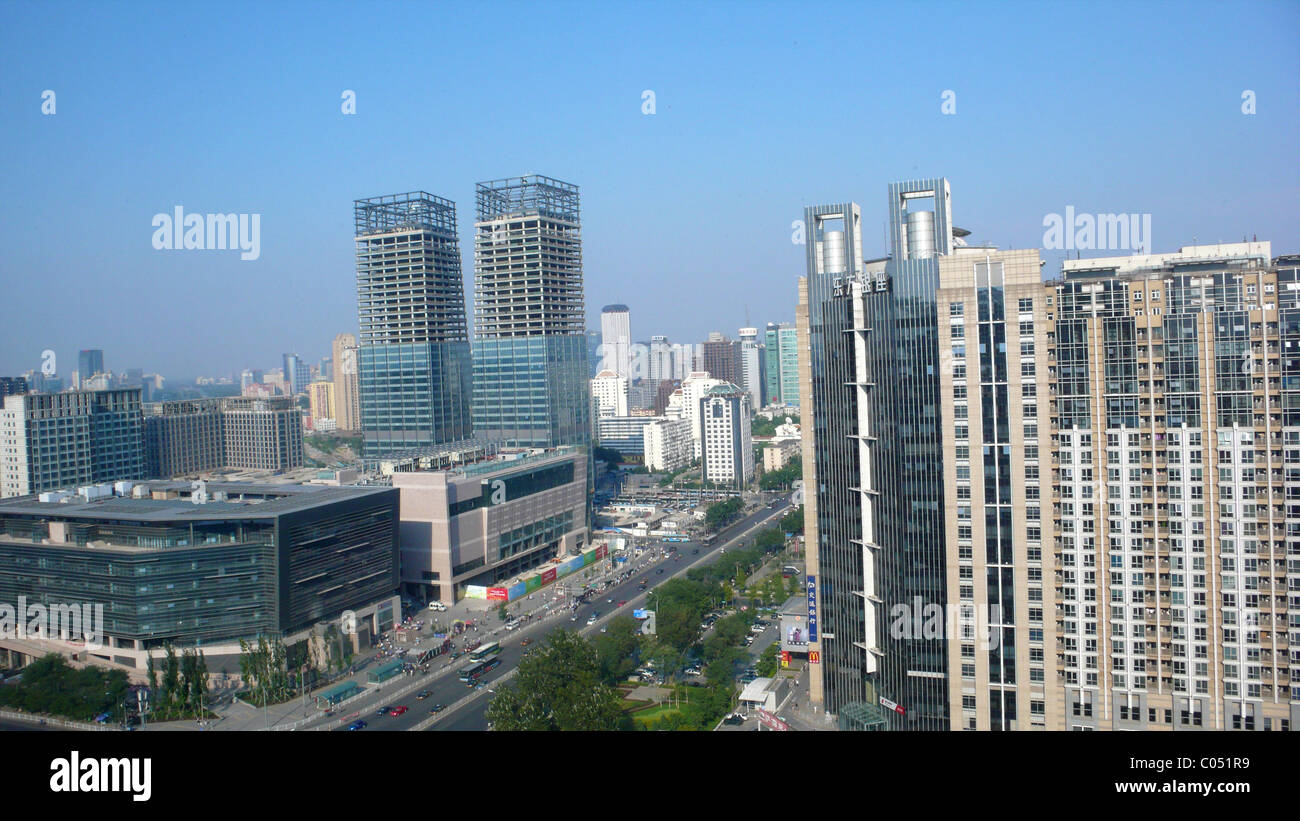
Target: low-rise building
<point>483,523</point>
<point>198,565</point>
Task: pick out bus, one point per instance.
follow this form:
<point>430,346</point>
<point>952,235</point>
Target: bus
<point>485,651</point>
<point>709,539</point>
<point>471,674</point>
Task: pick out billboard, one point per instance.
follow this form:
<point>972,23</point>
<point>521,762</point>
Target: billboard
<point>812,608</point>
<point>475,591</point>
<point>497,594</point>
<point>533,583</point>
<point>548,576</point>
<point>796,634</point>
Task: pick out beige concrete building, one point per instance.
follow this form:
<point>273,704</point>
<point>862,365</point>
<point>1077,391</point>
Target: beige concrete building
<point>483,523</point>
<point>347,390</point>
<point>993,335</point>
<point>1176,436</point>
<point>321,397</point>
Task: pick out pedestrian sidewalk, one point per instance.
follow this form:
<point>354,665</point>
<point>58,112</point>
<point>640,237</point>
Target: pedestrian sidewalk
<point>487,626</point>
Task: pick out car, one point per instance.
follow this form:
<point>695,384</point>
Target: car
<point>695,552</point>
<point>604,629</point>
<point>525,642</point>
<point>437,708</point>
<point>591,621</point>
<point>357,725</point>
<point>609,601</point>
<point>423,694</point>
<point>574,617</point>
<point>456,654</point>
<point>383,711</point>
<point>398,710</point>
<point>734,719</point>
<point>660,571</point>
<point>621,603</point>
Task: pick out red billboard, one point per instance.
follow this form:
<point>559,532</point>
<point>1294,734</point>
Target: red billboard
<point>498,594</point>
<point>602,551</point>
<point>548,575</point>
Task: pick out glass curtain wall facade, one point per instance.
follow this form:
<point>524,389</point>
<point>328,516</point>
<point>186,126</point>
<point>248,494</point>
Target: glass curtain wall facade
<point>878,467</point>
<point>530,349</point>
<point>414,356</point>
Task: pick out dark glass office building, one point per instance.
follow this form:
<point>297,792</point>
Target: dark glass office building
<point>202,564</point>
<point>876,523</point>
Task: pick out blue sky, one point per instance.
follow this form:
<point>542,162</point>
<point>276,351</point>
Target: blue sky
<point>761,109</point>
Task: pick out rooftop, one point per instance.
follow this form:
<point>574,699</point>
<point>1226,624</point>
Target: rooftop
<point>242,500</point>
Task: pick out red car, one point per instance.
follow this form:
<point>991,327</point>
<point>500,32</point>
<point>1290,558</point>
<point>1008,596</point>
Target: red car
<point>397,711</point>
<point>621,603</point>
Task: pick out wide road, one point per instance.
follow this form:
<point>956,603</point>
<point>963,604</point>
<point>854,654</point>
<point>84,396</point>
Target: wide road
<point>467,707</point>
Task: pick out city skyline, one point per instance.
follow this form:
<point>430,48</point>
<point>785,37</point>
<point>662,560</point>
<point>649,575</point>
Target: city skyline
<point>277,145</point>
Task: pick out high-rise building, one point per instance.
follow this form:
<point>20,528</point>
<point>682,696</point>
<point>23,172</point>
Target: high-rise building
<point>616,340</point>
<point>296,373</point>
<point>751,366</point>
<point>321,399</point>
<point>198,435</point>
<point>1174,409</point>
<point>993,370</point>
<point>347,393</point>
<point>414,370</point>
<point>530,345</point>
<point>693,389</point>
<point>90,363</point>
<point>610,394</point>
<point>727,450</point>
<point>51,441</point>
<point>873,461</point>
<point>781,361</point>
<point>721,358</point>
<point>11,385</point>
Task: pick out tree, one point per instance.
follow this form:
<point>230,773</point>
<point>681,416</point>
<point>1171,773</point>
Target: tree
<point>792,522</point>
<point>558,687</point>
<point>720,513</point>
<point>608,455</point>
<point>619,650</point>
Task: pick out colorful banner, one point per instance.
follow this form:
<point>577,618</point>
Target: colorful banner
<point>517,591</point>
<point>497,594</point>
<point>475,591</point>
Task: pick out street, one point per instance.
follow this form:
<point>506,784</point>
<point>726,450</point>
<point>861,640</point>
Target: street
<point>467,707</point>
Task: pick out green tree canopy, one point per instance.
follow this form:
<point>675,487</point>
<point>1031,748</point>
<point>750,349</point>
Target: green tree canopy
<point>558,687</point>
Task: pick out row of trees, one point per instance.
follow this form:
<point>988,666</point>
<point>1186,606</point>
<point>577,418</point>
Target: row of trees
<point>720,514</point>
<point>179,693</point>
<point>50,686</point>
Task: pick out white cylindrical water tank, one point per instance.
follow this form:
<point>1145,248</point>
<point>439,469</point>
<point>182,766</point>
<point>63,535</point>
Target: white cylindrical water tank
<point>920,234</point>
<point>833,253</point>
